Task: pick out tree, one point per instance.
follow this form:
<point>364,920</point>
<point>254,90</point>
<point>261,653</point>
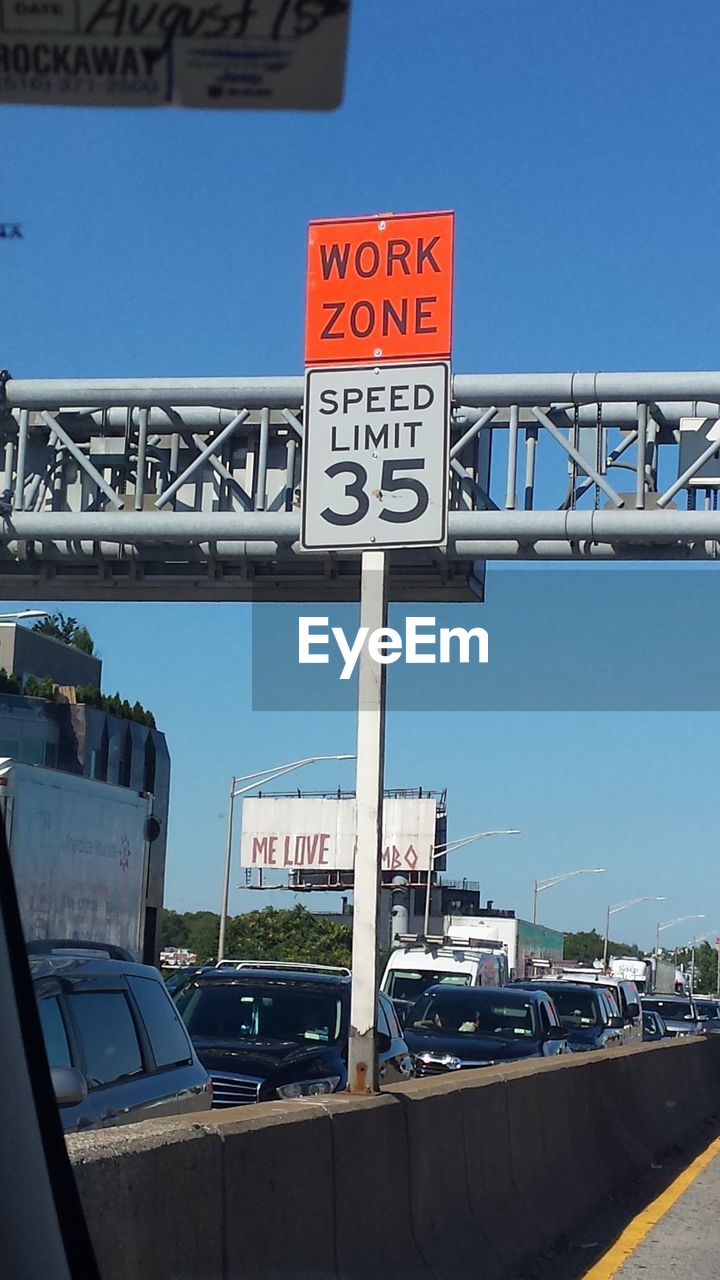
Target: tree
<point>67,630</point>
<point>174,932</point>
<point>588,946</point>
<point>203,930</point>
<point>706,966</point>
<point>293,934</point>
<point>89,695</point>
<point>9,683</point>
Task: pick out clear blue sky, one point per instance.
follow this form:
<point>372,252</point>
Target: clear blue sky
<point>578,145</point>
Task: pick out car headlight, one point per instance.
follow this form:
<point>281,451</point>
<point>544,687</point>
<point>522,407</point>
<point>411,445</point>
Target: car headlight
<point>308,1088</point>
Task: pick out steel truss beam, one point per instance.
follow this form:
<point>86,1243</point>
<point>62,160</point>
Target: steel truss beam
<point>187,488</point>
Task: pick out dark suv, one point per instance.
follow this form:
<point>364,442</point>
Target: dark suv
<point>116,1047</point>
<point>265,1033</point>
<point>451,1028</point>
<point>590,1021</point>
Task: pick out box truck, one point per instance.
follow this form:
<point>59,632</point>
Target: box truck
<point>531,948</point>
<point>79,852</point>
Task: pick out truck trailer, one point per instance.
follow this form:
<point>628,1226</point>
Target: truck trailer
<point>79,852</point>
<point>530,947</point>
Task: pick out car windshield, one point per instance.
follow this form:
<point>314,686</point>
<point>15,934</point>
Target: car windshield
<point>575,1008</point>
<point>277,1012</point>
<point>672,1010</point>
<point>408,984</point>
<point>178,979</point>
<point>474,1012</point>
<point>707,1008</point>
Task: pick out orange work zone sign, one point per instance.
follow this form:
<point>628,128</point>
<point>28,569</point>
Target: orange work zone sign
<point>379,289</point>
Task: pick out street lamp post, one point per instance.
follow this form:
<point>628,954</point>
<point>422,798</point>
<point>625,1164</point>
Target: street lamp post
<point>252,782</point>
<point>668,925</point>
<point>703,938</point>
<point>540,885</point>
<point>622,906</point>
<point>25,613</point>
<point>440,850</point>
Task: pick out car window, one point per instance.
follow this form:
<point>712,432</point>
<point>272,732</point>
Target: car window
<point>606,1005</point>
<point>285,1013</point>
<point>53,1028</point>
<point>393,1024</point>
<point>545,1020</point>
<point>107,1033</point>
<point>382,1020</point>
<point>168,1037</point>
<point>672,1010</point>
<point>408,984</point>
<point>474,1012</point>
<point>576,1008</point>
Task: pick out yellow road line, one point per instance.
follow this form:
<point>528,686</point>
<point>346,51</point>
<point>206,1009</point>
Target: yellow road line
<point>626,1244</point>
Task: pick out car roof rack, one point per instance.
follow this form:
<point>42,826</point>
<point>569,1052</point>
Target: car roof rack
<point>447,940</point>
<point>66,946</point>
<point>284,964</point>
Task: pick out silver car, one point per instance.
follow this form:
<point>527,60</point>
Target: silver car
<point>679,1013</point>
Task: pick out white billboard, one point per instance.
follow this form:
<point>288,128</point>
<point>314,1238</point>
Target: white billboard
<point>292,833</point>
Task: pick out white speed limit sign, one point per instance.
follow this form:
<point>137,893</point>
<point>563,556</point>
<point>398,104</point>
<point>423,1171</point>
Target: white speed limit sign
<point>375,465</point>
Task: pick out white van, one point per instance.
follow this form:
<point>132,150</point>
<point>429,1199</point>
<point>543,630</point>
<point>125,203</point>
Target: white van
<point>418,963</point>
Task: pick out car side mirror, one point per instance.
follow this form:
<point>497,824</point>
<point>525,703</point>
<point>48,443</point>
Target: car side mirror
<point>633,1010</point>
<point>383,1041</point>
<point>616,1021</point>
<point>70,1086</point>
<point>555,1033</point>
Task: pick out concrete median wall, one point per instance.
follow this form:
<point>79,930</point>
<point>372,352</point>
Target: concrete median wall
<point>465,1175</point>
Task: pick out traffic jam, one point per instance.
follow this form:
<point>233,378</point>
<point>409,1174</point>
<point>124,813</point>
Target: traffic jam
<point>126,1042</point>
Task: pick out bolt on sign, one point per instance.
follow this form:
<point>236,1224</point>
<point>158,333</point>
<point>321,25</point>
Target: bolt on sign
<point>153,53</point>
<point>379,289</point>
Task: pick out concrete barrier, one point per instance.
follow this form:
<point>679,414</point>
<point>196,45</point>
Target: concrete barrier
<point>153,1195</point>
<point>373,1206</point>
<point>467,1174</point>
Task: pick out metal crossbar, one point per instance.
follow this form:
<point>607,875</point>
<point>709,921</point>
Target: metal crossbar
<point>190,488</point>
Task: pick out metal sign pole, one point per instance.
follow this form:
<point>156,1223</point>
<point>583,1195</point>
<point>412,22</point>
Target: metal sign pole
<point>363,1067</point>
<point>226,873</point>
<point>428,892</point>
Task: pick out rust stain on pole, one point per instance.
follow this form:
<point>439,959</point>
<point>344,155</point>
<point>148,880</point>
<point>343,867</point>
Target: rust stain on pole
<point>358,1082</point>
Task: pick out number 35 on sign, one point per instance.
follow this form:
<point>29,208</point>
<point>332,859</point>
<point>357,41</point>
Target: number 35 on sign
<point>375,465</point>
